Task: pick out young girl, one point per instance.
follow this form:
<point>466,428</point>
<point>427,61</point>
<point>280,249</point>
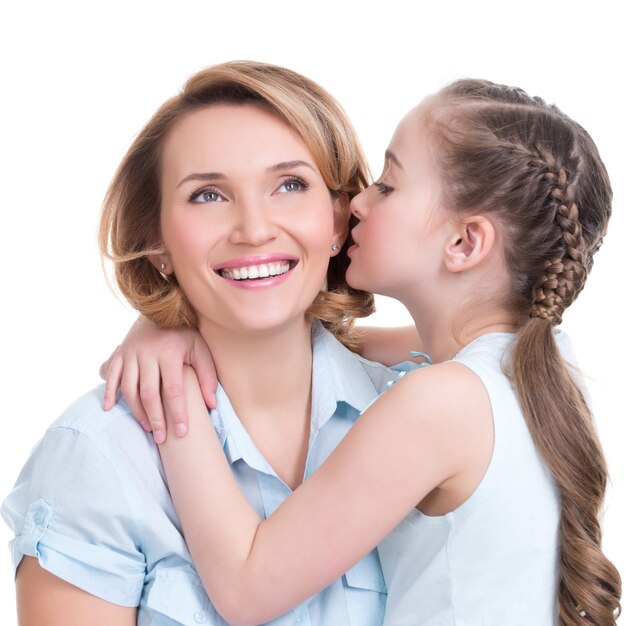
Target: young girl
<point>482,474</point>
<point>249,170</point>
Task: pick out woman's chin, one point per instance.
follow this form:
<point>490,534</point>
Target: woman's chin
<point>258,323</point>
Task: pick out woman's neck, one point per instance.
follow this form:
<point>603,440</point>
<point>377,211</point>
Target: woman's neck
<point>268,381</point>
<point>262,370</point>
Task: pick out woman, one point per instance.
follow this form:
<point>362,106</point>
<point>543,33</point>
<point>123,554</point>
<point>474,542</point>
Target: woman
<point>97,539</point>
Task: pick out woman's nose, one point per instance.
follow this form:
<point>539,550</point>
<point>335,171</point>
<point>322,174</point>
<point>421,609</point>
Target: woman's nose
<point>254,225</point>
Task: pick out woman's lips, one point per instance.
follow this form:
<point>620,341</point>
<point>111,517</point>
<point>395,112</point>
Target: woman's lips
<point>258,271</point>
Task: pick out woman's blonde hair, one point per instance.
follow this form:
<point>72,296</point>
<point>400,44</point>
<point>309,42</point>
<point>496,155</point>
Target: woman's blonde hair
<point>129,225</point>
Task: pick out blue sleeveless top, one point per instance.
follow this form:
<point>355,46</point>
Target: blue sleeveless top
<point>493,560</point>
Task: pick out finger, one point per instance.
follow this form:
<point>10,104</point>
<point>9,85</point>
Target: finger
<point>202,363</point>
<point>104,368</point>
<point>150,397</point>
<point>130,391</point>
<point>113,377</point>
<point>173,396</point>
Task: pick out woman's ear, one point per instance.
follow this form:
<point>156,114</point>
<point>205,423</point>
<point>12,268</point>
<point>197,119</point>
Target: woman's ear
<point>341,214</point>
<point>159,258</point>
<point>470,243</point>
<point>162,263</point>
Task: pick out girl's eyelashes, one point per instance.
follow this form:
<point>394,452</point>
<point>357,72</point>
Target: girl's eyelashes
<point>293,183</point>
<point>206,195</point>
<point>383,189</point>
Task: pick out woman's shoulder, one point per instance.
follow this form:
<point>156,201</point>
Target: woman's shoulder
<point>331,355</point>
<point>85,429</point>
<point>86,415</point>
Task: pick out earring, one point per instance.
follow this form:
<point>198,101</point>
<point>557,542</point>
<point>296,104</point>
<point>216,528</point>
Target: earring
<point>335,247</point>
<point>163,266</point>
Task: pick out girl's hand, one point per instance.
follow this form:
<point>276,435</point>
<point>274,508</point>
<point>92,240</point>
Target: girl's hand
<point>148,367</point>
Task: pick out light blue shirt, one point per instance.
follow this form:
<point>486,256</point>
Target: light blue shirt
<point>92,503</point>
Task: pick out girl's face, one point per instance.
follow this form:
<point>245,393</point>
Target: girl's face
<point>400,235</point>
<point>246,219</point>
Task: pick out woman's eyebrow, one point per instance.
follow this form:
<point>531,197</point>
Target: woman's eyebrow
<point>209,176</point>
<point>287,165</point>
<point>204,176</point>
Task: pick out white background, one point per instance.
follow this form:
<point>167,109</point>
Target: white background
<point>80,79</point>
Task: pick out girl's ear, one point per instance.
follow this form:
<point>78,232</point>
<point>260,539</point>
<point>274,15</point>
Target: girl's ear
<point>470,243</point>
<point>341,213</point>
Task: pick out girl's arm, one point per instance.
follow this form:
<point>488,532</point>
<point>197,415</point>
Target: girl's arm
<point>42,598</point>
<point>148,365</point>
<point>407,444</point>
<point>389,345</point>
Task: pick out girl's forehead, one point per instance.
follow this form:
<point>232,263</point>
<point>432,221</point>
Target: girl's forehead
<point>411,139</point>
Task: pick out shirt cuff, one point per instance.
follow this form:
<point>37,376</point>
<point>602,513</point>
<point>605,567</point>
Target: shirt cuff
<point>100,570</point>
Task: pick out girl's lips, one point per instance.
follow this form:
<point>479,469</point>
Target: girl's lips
<point>352,248</point>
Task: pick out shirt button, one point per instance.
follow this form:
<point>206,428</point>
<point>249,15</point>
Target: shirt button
<point>39,517</point>
<point>199,617</point>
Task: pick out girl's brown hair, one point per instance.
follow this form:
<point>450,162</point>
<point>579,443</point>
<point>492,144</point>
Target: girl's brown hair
<point>539,174</point>
<point>129,225</point>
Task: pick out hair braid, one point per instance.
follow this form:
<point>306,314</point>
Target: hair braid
<point>563,277</point>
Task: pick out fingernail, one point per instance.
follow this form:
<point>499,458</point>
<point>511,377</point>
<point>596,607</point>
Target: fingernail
<point>159,436</point>
<point>145,424</point>
<point>181,429</point>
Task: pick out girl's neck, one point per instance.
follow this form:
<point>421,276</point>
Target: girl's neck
<point>444,331</point>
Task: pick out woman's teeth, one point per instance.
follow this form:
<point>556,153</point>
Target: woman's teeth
<point>256,271</point>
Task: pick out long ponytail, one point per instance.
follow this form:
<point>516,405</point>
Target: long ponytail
<point>562,428</point>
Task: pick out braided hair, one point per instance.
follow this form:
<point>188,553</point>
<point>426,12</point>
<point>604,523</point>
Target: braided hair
<point>539,175</point>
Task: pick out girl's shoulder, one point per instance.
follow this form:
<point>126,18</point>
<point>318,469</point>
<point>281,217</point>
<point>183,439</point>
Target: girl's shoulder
<point>446,395</point>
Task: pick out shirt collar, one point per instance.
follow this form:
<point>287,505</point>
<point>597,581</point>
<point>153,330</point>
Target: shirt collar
<point>338,376</point>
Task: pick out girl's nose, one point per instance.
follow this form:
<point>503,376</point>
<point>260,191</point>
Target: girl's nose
<point>358,205</point>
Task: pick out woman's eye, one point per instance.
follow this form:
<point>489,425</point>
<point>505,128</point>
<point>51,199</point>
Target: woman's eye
<point>204,196</point>
<point>292,184</point>
<point>383,189</point>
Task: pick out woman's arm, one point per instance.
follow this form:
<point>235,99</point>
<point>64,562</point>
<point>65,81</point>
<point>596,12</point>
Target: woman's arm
<point>45,600</point>
<point>408,443</point>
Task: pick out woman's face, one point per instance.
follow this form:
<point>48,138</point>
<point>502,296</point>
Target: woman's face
<point>246,218</point>
<point>401,227</point>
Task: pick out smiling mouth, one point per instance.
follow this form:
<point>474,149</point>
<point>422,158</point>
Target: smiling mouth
<point>257,272</point>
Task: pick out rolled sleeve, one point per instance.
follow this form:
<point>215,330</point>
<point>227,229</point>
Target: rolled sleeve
<point>69,509</point>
